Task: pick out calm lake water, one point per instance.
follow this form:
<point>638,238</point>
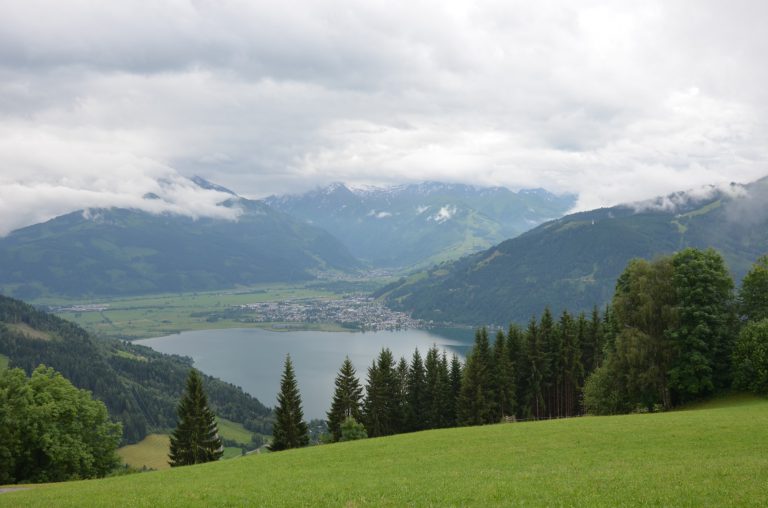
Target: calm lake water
<point>253,358</point>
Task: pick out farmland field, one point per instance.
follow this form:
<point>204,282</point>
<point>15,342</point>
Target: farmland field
<point>158,315</point>
<point>715,455</point>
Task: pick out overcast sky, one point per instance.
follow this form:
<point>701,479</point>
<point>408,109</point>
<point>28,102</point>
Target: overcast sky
<point>104,101</point>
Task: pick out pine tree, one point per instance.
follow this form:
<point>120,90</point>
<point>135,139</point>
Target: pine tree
<point>445,393</point>
<point>437,390</point>
<point>502,379</point>
<point>416,395</point>
<point>535,396</point>
<point>347,399</point>
<point>518,361</point>
<point>456,376</point>
<point>289,430</point>
<point>476,398</point>
<point>382,406</point>
<point>196,437</point>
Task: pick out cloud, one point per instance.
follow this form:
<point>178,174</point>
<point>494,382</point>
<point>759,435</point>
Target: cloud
<point>618,102</point>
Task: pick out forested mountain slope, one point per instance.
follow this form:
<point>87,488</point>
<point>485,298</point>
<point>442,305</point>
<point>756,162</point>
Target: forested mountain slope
<point>573,262</point>
<point>121,251</point>
<point>139,386</point>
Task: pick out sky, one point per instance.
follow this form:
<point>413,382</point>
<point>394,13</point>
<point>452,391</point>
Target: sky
<point>102,102</point>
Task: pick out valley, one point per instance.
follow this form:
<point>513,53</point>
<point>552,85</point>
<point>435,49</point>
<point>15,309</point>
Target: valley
<point>335,306</point>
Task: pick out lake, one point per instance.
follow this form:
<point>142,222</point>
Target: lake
<point>252,358</point>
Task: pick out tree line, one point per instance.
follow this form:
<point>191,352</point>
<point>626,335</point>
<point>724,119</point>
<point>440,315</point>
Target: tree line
<point>675,331</point>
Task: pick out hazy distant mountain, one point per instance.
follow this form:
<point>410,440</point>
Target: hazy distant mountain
<point>573,262</point>
<point>422,223</point>
<point>120,251</point>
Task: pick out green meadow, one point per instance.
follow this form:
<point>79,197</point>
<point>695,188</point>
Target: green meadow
<point>157,315</point>
<point>713,455</point>
<point>152,451</point>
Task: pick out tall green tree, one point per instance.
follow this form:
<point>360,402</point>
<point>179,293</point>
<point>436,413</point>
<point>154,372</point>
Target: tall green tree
<point>750,358</point>
<point>456,375</point>
<point>536,368</point>
<point>196,437</point>
<point>476,398</point>
<point>593,340</point>
<point>518,360</point>
<point>382,406</point>
<point>51,431</point>
<point>502,379</point>
<point>416,395</point>
<point>549,340</point>
<point>290,430</point>
<point>347,399</point>
<point>437,384</point>
<point>702,340</point>
<point>753,296</point>
<point>572,373</point>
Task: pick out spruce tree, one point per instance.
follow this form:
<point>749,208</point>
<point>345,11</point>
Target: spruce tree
<point>502,379</point>
<point>347,399</point>
<point>416,395</point>
<point>456,374</point>
<point>476,398</point>
<point>382,406</point>
<point>196,437</point>
<point>289,430</point>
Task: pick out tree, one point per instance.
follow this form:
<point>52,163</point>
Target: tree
<point>701,341</point>
<point>196,437</point>
<point>382,405</point>
<point>753,297</point>
<point>416,395</point>
<point>475,400</point>
<point>456,374</point>
<point>437,390</point>
<point>535,370</point>
<point>750,358</point>
<point>352,430</point>
<point>502,379</point>
<point>289,430</point>
<point>347,399</point>
<point>51,431</point>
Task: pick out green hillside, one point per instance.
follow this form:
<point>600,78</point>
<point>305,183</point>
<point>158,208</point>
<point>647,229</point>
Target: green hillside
<point>712,456</point>
<point>139,386</point>
<point>128,252</point>
<point>573,262</point>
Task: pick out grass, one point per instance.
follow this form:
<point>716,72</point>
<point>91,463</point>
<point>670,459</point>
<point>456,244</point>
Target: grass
<point>30,332</point>
<point>234,431</point>
<point>151,452</point>
<point>4,362</point>
<point>711,456</point>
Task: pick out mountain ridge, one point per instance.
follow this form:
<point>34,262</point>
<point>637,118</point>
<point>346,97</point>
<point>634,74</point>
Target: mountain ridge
<point>419,224</point>
<point>573,262</point>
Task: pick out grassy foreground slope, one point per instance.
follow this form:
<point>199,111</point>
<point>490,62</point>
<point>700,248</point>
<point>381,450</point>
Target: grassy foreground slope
<point>708,457</point>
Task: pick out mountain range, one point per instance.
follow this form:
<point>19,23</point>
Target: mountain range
<point>420,224</point>
<point>573,262</point>
<point>115,251</point>
<point>118,251</point>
